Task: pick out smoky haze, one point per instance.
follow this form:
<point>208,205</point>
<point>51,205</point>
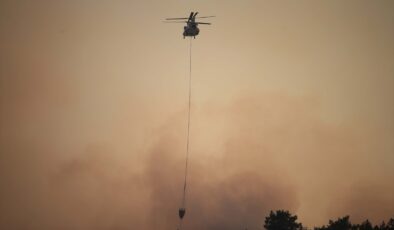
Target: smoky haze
<point>234,180</point>
<point>292,110</point>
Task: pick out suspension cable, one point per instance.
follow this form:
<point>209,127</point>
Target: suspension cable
<point>183,206</point>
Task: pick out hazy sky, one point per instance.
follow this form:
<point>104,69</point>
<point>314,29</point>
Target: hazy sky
<point>292,108</point>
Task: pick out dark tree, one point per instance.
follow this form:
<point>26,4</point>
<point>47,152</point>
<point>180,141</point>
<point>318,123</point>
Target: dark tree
<point>284,220</point>
<point>340,224</point>
<point>388,226</point>
<point>281,220</point>
<point>366,225</point>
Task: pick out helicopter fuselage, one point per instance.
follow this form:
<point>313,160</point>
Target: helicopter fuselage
<point>191,30</point>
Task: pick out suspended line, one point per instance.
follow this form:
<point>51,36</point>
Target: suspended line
<point>188,135</point>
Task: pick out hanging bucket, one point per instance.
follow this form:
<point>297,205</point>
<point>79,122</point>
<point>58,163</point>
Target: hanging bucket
<point>182,212</point>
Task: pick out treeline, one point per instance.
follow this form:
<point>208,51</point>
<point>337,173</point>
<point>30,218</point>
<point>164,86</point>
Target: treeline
<point>284,220</point>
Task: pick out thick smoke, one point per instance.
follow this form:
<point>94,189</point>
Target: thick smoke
<point>218,196</point>
<point>241,167</point>
<point>367,200</point>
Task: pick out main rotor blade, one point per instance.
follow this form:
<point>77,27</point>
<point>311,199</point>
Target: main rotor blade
<point>206,17</point>
<point>203,23</point>
<point>174,22</point>
<point>176,18</point>
<point>195,14</point>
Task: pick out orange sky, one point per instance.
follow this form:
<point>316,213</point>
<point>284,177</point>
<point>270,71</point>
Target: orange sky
<point>293,108</point>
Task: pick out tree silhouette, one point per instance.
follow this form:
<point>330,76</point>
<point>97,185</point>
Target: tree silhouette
<point>388,226</point>
<point>281,220</point>
<point>340,224</point>
<point>366,225</point>
<point>284,220</point>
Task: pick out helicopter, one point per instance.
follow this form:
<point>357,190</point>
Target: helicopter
<point>191,29</point>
